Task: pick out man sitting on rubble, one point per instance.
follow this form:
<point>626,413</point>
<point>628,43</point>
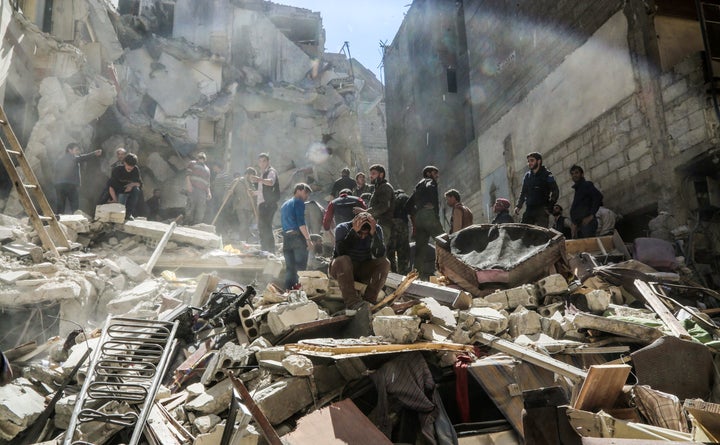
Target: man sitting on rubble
<point>125,183</point>
<point>359,256</point>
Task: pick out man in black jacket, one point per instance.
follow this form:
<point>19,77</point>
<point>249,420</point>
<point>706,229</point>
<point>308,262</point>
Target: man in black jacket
<point>125,183</point>
<point>539,191</point>
<point>585,205</point>
<point>425,217</point>
<point>67,177</point>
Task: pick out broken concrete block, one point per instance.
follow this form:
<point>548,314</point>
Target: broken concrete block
<point>441,315</point>
<point>314,282</point>
<point>550,309</point>
<point>214,400</point>
<point>142,293</point>
<point>552,326</point>
<point>598,300</point>
<point>397,328</point>
<point>276,353</point>
<point>283,317</point>
<point>12,276</point>
<point>212,438</point>
<point>77,223</point>
<point>298,365</point>
<point>63,411</point>
<point>159,167</point>
<point>283,398</point>
<point>53,291</point>
<point>195,390</point>
<point>259,344</point>
<point>433,332</point>
<point>132,269</point>
<point>524,322</point>
<point>45,268</point>
<point>205,423</point>
<point>461,336</point>
<point>111,213</point>
<point>20,405</point>
<point>552,285</point>
<point>525,295</point>
<point>229,356</point>
<point>487,320</point>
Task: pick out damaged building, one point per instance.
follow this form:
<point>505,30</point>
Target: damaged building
<point>153,332</point>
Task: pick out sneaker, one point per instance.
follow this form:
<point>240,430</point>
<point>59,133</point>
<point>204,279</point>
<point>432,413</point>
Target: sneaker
<point>297,286</point>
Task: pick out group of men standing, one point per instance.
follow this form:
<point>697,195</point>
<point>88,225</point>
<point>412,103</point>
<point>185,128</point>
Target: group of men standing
<point>539,196</point>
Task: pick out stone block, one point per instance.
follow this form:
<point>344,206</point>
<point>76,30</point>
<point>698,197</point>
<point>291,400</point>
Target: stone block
<point>298,365</point>
<point>128,300</point>
<point>524,322</point>
<point>12,276</point>
<point>487,320</point>
<point>63,411</point>
<point>553,326</point>
<point>314,282</point>
<point>205,423</point>
<point>276,353</point>
<point>229,356</point>
<point>212,438</point>
<point>525,295</point>
<point>351,368</point>
<point>433,332</point>
<point>397,328</point>
<point>111,213</point>
<point>20,405</point>
<point>76,223</point>
<point>552,285</point>
<point>441,315</point>
<point>283,317</point>
<point>283,398</point>
<point>598,300</point>
<point>195,390</point>
<point>213,401</point>
<point>132,269</point>
<point>53,291</point>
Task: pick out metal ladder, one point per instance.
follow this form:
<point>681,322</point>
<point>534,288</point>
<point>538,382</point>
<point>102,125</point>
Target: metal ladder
<point>127,367</point>
<point>28,189</point>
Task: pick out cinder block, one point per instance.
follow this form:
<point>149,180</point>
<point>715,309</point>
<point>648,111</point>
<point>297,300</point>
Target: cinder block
<point>397,328</point>
<point>314,282</point>
<point>20,405</point>
<point>132,269</point>
<point>112,213</point>
<point>229,356</point>
<point>524,322</point>
<point>282,318</point>
<point>283,398</point>
<point>487,320</point>
<point>298,365</point>
<point>525,295</point>
<point>552,285</point>
<point>598,300</point>
<point>213,401</point>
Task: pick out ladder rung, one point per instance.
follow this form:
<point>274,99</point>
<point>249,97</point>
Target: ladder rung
<point>30,186</point>
<point>13,152</point>
<point>45,218</point>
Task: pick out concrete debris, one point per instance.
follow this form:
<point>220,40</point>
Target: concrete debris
<point>397,328</point>
<point>20,405</point>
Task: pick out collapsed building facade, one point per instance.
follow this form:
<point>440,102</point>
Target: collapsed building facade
<point>168,79</point>
<point>620,88</point>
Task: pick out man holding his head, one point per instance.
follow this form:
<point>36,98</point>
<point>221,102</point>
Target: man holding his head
<point>359,256</point>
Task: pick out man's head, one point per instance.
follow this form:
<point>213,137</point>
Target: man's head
<point>576,173</point>
<point>345,172</point>
<point>120,153</point>
<point>501,204</point>
<point>345,192</point>
<point>452,197</point>
<point>302,191</point>
<point>360,179</point>
<point>263,160</point>
<point>377,173</point>
<point>557,210</point>
<point>363,220</point>
<point>250,172</point>
<point>534,161</point>
<point>130,162</point>
<point>73,148</point>
<point>431,172</point>
<point>216,167</point>
<point>156,192</point>
<point>201,157</point>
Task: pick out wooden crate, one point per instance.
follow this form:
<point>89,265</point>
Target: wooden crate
<point>610,243</point>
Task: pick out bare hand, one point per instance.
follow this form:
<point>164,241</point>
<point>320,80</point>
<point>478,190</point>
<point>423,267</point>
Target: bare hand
<point>357,210</point>
<point>517,210</point>
<point>373,224</point>
<point>587,220</point>
<point>97,152</point>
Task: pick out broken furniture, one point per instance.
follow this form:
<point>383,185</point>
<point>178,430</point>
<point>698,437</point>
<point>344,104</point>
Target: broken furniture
<point>505,254</point>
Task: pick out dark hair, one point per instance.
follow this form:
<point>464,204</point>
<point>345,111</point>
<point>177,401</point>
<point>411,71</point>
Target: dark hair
<point>347,191</point>
<point>201,155</point>
<point>345,171</point>
<point>251,171</point>
<point>428,169</point>
<point>131,159</point>
<point>71,145</point>
<point>378,168</point>
<point>454,193</point>
<point>535,155</point>
<point>301,186</point>
<point>359,174</point>
<point>264,155</point>
<point>578,168</point>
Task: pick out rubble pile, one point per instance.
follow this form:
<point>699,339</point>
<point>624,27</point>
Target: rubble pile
<point>248,363</point>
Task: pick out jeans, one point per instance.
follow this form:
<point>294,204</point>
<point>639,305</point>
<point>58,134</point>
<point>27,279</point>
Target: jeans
<point>588,230</point>
<point>130,200</point>
<point>295,251</point>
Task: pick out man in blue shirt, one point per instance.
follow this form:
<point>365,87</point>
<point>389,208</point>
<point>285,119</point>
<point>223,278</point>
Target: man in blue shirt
<point>296,238</point>
<point>359,256</point>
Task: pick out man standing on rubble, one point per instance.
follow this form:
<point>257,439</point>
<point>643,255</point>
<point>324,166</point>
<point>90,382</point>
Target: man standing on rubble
<point>197,185</point>
<point>344,182</point>
<point>382,201</point>
<point>398,247</point>
<point>460,216</point>
<point>340,209</point>
<point>268,195</point>
<point>586,202</point>
<point>425,217</point>
<point>539,191</point>
<point>360,185</point>
<point>359,256</point>
<point>67,177</point>
<point>244,203</point>
<point>501,208</point>
<point>296,237</point>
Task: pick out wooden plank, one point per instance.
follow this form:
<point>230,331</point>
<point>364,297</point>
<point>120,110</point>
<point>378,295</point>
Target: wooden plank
<point>341,422</point>
<point>374,349</point>
<point>602,441</point>
<point>313,329</point>
<point>617,327</point>
<point>663,312</point>
<point>531,356</point>
<point>589,245</point>
<point>159,249</point>
<point>267,430</point>
<point>707,416</point>
<point>402,287</point>
<point>601,388</point>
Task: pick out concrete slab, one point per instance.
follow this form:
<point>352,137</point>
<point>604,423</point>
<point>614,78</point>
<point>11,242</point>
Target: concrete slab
<point>156,230</point>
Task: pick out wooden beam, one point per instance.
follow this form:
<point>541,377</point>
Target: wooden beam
<point>267,430</point>
<point>402,287</point>
<point>531,356</point>
<point>663,312</point>
<point>424,289</point>
<point>372,349</point>
<point>159,249</point>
